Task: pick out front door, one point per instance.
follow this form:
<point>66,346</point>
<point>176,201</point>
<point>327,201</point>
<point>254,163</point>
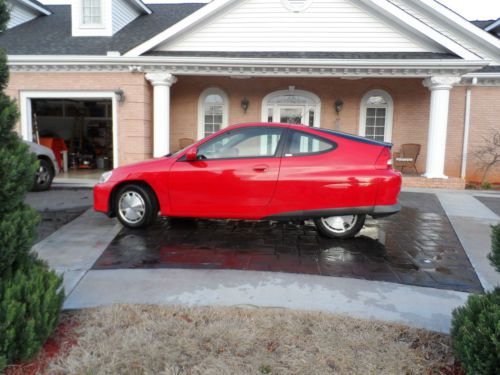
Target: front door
<point>235,175</point>
<point>291,115</point>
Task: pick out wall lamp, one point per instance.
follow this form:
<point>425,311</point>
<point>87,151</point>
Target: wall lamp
<point>120,95</point>
<point>245,103</point>
<point>339,104</point>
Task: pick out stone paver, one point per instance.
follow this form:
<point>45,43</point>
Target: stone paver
<point>415,306</point>
<point>417,247</point>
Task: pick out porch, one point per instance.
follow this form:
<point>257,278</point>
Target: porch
<point>396,110</point>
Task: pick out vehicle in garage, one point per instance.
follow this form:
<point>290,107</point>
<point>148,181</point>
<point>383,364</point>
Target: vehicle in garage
<point>260,171</point>
<point>47,168</point>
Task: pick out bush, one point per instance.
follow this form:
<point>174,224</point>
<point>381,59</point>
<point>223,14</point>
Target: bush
<point>476,334</point>
<point>30,299</point>
<point>494,256</point>
<point>486,186</point>
<point>30,302</point>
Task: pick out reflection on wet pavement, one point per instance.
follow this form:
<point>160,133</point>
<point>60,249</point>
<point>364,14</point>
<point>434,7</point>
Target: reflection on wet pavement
<point>418,247</point>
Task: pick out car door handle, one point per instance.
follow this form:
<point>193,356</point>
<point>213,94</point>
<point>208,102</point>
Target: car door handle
<point>261,168</point>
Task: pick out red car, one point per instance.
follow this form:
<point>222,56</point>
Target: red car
<point>260,171</point>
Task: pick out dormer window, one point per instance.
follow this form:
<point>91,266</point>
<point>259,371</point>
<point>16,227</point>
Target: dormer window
<point>91,12</point>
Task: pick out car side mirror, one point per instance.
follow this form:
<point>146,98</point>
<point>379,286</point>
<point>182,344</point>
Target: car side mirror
<point>192,154</point>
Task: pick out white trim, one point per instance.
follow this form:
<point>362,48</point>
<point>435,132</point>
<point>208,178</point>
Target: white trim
<point>189,21</point>
<point>389,114</point>
<point>465,146</point>
<point>414,24</point>
<point>26,113</point>
<point>493,26</point>
<point>141,6</point>
<point>291,91</point>
<point>443,13</point>
<point>201,109</point>
<point>36,7</point>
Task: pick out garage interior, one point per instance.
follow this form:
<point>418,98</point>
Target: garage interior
<point>79,131</point>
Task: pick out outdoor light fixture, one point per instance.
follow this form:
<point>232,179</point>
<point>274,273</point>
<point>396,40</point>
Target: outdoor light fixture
<point>120,95</point>
<point>245,103</point>
<point>339,104</point>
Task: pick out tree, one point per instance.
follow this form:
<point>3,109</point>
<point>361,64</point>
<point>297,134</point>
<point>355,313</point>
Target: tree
<point>30,294</point>
<point>488,156</point>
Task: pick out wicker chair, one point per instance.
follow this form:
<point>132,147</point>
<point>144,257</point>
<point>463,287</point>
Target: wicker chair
<point>407,157</point>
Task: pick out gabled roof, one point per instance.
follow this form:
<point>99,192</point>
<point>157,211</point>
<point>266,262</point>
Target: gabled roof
<point>386,8</point>
<point>52,35</point>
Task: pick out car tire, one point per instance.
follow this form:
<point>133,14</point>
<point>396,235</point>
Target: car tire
<point>44,175</point>
<point>340,227</point>
<point>136,206</point>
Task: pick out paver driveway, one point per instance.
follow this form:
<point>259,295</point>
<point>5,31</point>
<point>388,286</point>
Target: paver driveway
<point>418,246</point>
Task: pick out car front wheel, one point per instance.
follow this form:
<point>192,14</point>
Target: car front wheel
<point>136,206</point>
<point>340,227</point>
<point>44,176</point>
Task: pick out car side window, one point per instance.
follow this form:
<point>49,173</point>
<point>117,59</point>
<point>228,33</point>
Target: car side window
<point>301,143</point>
<point>242,143</point>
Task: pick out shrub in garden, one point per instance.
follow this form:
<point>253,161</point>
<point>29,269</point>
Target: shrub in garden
<point>494,256</point>
<point>30,302</point>
<point>476,334</point>
<point>30,299</point>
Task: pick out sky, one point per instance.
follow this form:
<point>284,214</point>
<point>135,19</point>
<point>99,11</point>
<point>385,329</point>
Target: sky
<point>475,9</point>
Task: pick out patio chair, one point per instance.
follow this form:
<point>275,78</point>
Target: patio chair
<point>407,157</point>
<point>184,142</point>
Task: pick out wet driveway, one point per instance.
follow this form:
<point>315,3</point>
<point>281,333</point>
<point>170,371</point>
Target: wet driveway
<point>417,247</point>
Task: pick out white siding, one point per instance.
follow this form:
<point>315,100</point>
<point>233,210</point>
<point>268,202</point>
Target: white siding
<point>441,27</point>
<point>326,25</point>
<point>19,14</point>
<point>123,14</point>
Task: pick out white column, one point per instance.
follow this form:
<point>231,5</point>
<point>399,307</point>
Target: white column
<point>440,88</point>
<point>161,111</point>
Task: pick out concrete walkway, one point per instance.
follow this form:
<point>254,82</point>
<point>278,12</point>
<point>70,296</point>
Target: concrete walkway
<point>472,222</point>
<point>414,306</point>
<point>73,249</point>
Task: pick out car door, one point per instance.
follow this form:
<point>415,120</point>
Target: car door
<point>310,178</point>
<point>234,176</point>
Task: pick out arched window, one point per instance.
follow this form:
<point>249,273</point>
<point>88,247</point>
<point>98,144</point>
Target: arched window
<point>292,106</point>
<point>212,112</point>
<point>376,116</point>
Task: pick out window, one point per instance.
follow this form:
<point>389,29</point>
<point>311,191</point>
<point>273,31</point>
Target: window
<point>242,143</point>
<point>292,107</point>
<point>303,143</point>
<point>91,12</point>
<point>212,113</point>
<point>376,116</point>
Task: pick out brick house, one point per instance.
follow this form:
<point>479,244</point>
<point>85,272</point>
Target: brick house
<point>127,80</point>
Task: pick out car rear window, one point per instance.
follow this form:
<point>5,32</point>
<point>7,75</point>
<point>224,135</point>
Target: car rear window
<point>301,143</point>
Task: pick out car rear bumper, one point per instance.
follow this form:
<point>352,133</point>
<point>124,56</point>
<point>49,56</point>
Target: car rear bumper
<point>374,211</point>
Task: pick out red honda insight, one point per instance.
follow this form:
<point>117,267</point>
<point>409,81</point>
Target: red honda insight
<point>260,171</point>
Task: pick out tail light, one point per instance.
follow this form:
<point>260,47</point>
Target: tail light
<point>384,160</point>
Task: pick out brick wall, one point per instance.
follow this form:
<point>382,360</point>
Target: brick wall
<point>134,115</point>
<point>485,119</point>
<point>411,106</point>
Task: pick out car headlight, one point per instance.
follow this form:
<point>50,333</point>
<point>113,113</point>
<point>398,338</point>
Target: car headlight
<point>105,177</point>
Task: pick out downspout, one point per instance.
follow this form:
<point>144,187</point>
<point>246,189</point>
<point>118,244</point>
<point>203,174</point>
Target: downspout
<point>465,147</point>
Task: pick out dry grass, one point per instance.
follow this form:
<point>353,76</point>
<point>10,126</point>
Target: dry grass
<point>179,340</point>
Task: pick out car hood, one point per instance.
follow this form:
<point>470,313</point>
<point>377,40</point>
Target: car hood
<point>153,165</point>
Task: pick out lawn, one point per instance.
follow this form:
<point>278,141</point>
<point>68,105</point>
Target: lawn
<point>179,340</point>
